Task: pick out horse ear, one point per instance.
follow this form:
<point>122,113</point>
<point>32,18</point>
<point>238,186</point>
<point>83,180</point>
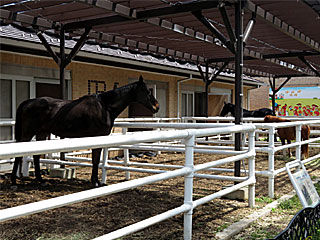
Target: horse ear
<point>141,79</point>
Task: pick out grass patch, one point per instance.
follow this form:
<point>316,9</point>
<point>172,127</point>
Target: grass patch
<point>264,199</point>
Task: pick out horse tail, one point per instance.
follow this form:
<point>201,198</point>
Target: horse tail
<point>18,134</point>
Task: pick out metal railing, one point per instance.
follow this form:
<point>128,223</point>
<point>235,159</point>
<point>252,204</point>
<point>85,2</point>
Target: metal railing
<point>304,225</point>
<point>189,171</point>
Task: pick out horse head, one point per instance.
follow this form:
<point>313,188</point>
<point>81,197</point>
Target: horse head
<point>228,107</point>
<point>145,97</point>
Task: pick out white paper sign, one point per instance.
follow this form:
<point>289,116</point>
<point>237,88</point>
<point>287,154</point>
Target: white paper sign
<point>303,185</point>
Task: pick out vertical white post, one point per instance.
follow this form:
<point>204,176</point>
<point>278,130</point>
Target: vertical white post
<point>104,165</point>
<point>126,155</point>
<point>188,187</point>
<point>25,166</point>
<point>271,162</point>
<point>159,129</point>
<point>219,136</point>
<point>298,139</point>
<point>251,163</point>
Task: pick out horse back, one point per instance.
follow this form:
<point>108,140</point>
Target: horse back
<point>270,118</point>
<point>84,117</point>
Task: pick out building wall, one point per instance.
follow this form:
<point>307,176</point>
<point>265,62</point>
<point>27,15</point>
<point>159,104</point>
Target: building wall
<point>80,73</point>
<point>259,98</point>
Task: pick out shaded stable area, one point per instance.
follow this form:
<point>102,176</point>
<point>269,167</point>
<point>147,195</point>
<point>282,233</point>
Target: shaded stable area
<point>256,38</point>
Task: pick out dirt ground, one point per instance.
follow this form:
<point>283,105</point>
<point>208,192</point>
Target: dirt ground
<point>94,218</point>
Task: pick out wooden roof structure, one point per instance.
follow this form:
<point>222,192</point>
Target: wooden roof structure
<point>284,41</point>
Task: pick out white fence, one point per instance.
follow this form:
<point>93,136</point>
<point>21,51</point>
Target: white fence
<point>189,171</point>
<point>221,146</point>
<point>271,149</point>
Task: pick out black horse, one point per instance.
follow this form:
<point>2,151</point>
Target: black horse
<point>229,108</point>
<point>88,116</point>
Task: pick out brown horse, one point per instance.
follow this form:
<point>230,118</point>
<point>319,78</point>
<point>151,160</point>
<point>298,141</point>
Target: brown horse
<point>88,116</point>
<point>289,133</point>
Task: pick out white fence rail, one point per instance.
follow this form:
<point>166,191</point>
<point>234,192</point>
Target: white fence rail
<point>189,171</point>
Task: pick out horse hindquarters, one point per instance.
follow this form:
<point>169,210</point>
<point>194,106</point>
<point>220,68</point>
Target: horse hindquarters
<point>28,124</point>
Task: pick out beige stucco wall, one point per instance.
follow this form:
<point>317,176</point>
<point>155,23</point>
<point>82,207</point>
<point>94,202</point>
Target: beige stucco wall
<point>82,72</point>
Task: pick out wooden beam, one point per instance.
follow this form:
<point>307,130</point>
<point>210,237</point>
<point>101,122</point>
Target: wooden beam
<point>48,47</point>
<point>214,30</point>
<point>77,47</point>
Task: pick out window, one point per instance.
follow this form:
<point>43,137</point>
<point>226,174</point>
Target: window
<point>14,90</point>
<point>187,104</point>
<point>6,98</point>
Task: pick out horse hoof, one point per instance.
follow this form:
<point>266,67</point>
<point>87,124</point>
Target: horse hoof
<point>96,184</point>
<point>14,187</point>
<point>43,184</point>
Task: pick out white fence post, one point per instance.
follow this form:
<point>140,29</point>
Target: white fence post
<point>251,165</point>
<point>188,187</point>
<point>25,166</point>
<point>271,162</point>
<point>104,165</point>
<point>126,155</point>
<point>298,139</point>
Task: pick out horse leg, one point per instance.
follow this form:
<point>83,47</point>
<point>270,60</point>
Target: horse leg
<point>283,142</point>
<point>17,163</point>
<point>289,150</point>
<point>18,160</point>
<point>95,166</point>
<point>305,151</point>
<point>36,159</point>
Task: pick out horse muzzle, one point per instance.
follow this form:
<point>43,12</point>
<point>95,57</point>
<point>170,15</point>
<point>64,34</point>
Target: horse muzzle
<point>155,108</point>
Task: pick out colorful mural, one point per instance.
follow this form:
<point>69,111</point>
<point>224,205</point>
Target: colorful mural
<point>297,101</point>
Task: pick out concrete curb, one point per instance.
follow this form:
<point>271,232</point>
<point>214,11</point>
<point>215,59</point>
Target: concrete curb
<point>237,227</point>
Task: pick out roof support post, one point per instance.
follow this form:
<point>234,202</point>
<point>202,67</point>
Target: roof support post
<point>312,68</point>
<point>62,64</point>
<point>214,30</point>
<point>273,96</point>
<point>205,79</point>
<point>238,77</point>
<point>62,60</point>
<point>214,76</point>
<point>275,90</point>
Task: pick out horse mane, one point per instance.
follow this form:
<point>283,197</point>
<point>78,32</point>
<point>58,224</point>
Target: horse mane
<point>111,94</point>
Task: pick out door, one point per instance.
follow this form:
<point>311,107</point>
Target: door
<point>47,90</point>
<point>200,106</point>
